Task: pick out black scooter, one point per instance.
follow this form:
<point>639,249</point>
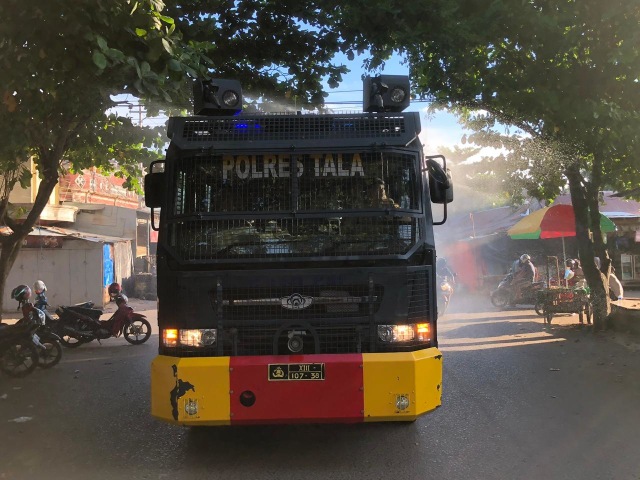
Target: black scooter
<point>70,321</point>
<point>18,352</point>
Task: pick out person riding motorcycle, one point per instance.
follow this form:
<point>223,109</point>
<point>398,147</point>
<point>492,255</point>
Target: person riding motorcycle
<point>446,281</point>
<point>114,290</point>
<point>524,274</point>
<point>443,270</point>
<point>121,315</point>
<point>40,290</point>
<point>21,294</point>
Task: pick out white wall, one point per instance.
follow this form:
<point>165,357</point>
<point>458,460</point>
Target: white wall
<point>110,221</point>
<point>73,273</point>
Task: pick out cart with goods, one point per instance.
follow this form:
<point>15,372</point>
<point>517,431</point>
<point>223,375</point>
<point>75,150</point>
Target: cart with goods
<point>562,298</point>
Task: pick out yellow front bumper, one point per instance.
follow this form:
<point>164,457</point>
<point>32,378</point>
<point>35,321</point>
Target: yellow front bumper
<point>356,387</point>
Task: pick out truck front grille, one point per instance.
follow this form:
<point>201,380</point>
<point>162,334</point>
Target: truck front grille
<point>287,303</point>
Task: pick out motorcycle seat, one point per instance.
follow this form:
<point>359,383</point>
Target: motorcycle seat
<point>15,329</point>
<point>89,312</point>
<point>84,304</point>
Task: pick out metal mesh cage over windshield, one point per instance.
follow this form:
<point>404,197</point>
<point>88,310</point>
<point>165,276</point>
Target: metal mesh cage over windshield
<point>278,205</point>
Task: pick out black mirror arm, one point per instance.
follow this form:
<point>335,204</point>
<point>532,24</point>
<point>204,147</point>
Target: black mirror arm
<point>444,217</point>
<point>157,227</point>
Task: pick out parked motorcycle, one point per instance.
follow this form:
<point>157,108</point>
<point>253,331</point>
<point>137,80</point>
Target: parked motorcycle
<point>44,338</point>
<point>501,297</point>
<point>47,341</point>
<point>80,324</point>
<point>18,353</point>
<point>445,291</point>
<point>70,321</point>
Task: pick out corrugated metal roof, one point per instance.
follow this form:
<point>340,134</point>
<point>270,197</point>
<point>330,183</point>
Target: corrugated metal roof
<point>484,223</point>
<point>91,237</point>
<point>49,231</point>
<point>612,207</point>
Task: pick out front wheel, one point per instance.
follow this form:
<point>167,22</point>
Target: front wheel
<point>137,331</point>
<point>588,312</point>
<point>500,298</point>
<point>52,353</point>
<point>443,303</point>
<point>19,360</point>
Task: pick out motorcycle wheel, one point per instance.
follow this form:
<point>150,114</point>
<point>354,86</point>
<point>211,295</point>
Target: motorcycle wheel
<point>74,342</point>
<point>19,360</point>
<point>588,312</point>
<point>442,306</point>
<point>51,355</point>
<point>500,298</point>
<point>539,308</point>
<point>70,342</point>
<point>137,331</point>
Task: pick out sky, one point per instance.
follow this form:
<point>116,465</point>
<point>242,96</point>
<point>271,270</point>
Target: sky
<point>441,129</point>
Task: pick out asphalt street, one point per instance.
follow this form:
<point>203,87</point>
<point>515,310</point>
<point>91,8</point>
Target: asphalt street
<point>520,401</point>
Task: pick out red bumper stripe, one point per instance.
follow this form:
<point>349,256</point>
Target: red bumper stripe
<point>294,392</point>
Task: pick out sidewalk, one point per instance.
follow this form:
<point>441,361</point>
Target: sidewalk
<point>625,314</point>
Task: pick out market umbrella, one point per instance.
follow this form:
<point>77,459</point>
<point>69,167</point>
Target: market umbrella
<point>556,221</point>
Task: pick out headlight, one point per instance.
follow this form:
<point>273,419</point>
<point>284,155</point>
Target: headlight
<point>419,332</point>
<point>195,337</point>
<point>230,98</point>
<point>398,95</point>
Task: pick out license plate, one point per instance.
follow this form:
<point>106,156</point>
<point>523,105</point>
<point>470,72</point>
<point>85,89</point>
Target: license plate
<point>296,371</point>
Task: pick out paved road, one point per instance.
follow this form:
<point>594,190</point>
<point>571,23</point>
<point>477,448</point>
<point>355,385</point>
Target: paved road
<point>521,401</point>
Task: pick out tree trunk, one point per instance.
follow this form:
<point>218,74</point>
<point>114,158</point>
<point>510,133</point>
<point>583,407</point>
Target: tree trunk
<point>10,247</point>
<point>12,244</point>
<point>589,239</point>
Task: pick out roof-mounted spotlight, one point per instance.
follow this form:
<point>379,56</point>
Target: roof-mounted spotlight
<point>385,93</point>
<point>217,97</point>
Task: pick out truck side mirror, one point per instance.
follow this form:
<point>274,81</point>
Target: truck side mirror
<point>153,189</point>
<point>440,183</point>
<point>154,186</point>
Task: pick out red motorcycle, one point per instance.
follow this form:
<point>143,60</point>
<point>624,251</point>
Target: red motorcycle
<point>79,324</point>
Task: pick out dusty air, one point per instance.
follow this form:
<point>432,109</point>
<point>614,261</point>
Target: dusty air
<point>279,166</point>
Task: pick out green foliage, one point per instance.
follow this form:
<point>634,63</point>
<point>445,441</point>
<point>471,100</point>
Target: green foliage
<point>278,49</point>
<point>565,73</point>
<point>65,64</point>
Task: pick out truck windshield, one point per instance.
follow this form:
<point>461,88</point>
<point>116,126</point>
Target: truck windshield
<point>284,205</point>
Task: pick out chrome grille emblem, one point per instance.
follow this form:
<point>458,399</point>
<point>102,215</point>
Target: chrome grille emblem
<point>296,301</point>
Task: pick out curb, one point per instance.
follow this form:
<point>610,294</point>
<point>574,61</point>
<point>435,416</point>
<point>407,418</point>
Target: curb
<point>624,319</point>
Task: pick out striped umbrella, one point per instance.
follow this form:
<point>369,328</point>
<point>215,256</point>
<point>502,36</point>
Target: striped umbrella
<point>556,221</point>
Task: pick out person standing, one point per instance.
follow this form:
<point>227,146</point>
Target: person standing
<point>616,292</point>
<point>524,274</point>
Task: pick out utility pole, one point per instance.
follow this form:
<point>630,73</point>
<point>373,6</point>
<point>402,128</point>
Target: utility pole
<point>137,109</point>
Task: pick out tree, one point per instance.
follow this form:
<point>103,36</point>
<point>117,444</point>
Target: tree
<point>477,183</point>
<point>64,64</point>
<point>565,73</point>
